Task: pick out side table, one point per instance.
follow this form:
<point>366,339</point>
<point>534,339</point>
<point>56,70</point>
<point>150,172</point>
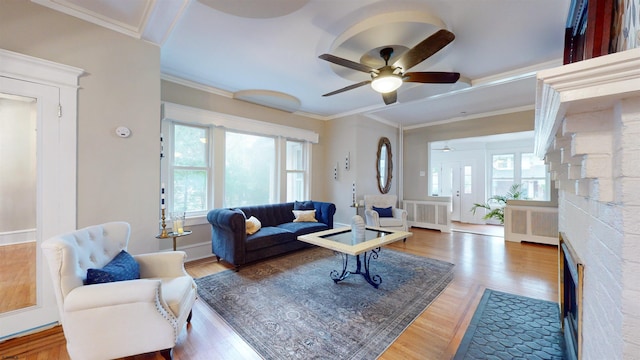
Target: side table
<point>357,207</point>
<point>174,235</point>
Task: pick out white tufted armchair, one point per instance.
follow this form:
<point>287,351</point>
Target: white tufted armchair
<point>397,222</point>
<point>117,319</point>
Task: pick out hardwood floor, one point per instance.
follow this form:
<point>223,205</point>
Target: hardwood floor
<point>481,262</point>
<point>17,276</point>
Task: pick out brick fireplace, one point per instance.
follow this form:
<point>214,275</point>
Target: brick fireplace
<point>588,130</point>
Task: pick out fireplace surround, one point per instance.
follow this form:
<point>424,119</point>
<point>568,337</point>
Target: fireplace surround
<point>571,280</point>
<point>588,130</point>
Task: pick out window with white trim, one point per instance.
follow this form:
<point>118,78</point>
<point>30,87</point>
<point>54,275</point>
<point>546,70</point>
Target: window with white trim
<point>190,169</point>
<point>216,160</point>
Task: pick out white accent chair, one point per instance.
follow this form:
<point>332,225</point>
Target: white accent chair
<point>117,319</point>
<point>397,222</point>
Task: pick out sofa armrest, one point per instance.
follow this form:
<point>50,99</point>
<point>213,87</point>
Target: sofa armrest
<point>228,234</point>
<point>400,213</point>
<point>112,294</point>
<point>164,264</point>
<point>372,218</point>
<point>325,212</point>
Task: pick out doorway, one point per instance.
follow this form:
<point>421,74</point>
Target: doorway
<point>458,183</point>
<point>38,185</point>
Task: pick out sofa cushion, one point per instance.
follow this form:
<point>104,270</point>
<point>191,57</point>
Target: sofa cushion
<point>268,236</point>
<point>122,267</point>
<point>390,222</point>
<point>304,216</point>
<point>303,228</point>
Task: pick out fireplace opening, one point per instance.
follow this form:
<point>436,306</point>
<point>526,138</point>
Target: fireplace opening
<point>571,275</point>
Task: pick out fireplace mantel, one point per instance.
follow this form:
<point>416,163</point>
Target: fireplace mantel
<point>579,147</point>
<point>588,85</point>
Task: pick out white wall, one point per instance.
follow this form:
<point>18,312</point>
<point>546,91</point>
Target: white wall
<point>358,136</point>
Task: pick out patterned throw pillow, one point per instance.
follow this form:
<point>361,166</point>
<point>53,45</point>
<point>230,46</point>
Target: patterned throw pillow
<point>304,216</point>
<point>384,212</point>
<point>122,267</point>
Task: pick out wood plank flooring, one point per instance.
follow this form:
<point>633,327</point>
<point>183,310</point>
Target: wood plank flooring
<point>481,262</point>
<point>17,276</point>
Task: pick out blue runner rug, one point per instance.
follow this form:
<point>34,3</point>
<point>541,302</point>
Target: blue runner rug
<point>507,326</point>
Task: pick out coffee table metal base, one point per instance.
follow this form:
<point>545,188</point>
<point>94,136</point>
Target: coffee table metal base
<point>361,263</point>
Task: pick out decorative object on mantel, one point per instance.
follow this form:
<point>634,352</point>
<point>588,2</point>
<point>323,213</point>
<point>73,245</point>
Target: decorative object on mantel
<point>357,229</point>
<point>596,28</point>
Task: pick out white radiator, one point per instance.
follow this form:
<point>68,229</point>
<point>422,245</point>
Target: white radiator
<point>429,214</point>
<point>537,224</point>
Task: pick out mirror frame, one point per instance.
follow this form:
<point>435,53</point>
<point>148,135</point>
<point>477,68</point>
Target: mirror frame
<point>384,143</point>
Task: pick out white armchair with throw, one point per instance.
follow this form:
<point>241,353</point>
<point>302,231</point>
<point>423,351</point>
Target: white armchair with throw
<point>108,309</point>
<point>387,215</point>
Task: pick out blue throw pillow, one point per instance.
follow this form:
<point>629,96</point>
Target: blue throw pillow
<point>122,267</point>
<point>303,205</point>
<point>384,212</point>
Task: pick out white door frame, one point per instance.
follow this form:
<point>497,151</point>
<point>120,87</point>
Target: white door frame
<point>55,88</point>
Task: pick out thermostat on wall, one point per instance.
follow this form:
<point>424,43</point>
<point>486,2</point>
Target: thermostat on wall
<point>123,131</point>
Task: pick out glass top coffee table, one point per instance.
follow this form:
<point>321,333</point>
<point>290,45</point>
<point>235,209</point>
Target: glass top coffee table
<point>341,240</point>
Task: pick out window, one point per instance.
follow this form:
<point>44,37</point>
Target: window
<point>296,170</point>
<point>468,178</point>
<point>189,169</point>
<point>218,160</point>
<point>502,174</point>
<point>520,168</point>
<point>534,177</point>
<point>250,170</point>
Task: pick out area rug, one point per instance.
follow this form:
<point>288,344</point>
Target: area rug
<point>289,307</point>
<point>507,326</point>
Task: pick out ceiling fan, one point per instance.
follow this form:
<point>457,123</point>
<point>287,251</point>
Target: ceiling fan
<point>387,79</point>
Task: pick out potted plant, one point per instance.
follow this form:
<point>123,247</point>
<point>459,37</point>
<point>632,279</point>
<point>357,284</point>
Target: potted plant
<point>495,204</point>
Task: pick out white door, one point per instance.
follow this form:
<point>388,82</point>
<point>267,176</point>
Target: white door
<point>458,182</point>
<point>30,131</point>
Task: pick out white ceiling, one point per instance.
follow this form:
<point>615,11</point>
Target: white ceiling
<point>270,48</point>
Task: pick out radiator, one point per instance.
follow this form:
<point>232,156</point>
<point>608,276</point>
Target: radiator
<point>537,224</point>
<point>428,214</point>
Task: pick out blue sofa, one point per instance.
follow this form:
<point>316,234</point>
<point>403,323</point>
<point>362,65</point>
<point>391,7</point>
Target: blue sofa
<point>278,235</point>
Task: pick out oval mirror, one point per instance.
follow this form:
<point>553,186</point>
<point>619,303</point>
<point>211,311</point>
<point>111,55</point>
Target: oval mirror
<point>384,165</point>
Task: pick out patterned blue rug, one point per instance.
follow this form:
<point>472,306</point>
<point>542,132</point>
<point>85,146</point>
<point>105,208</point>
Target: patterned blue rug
<point>507,326</point>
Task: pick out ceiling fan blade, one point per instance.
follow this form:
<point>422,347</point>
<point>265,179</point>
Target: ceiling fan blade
<point>425,49</point>
<point>350,87</point>
<point>347,63</point>
<point>432,77</point>
<point>390,97</point>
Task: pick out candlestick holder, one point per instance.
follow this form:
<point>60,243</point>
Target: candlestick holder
<point>164,234</point>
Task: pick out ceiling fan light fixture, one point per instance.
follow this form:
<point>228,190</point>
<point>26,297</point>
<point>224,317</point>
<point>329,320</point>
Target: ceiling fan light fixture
<point>386,83</point>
